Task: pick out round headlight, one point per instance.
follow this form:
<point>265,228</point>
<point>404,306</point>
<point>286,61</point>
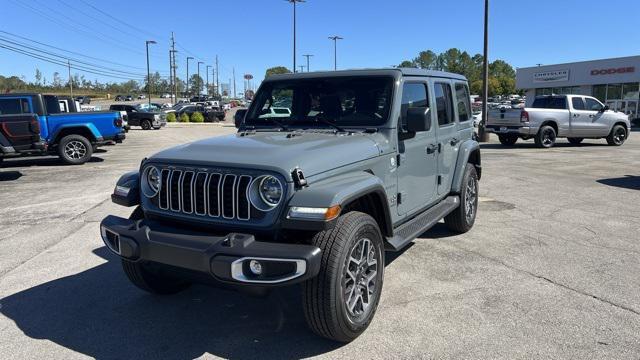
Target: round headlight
<point>151,181</point>
<point>266,192</point>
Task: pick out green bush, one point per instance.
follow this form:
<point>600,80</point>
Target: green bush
<point>197,117</point>
<point>171,117</point>
<point>184,117</point>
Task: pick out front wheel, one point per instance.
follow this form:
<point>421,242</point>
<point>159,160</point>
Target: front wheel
<point>546,137</point>
<point>617,136</point>
<point>145,124</point>
<point>340,302</point>
<point>463,217</point>
<point>151,277</point>
<point>75,149</point>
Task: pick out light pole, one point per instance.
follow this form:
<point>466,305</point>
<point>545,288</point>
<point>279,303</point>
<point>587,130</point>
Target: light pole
<point>335,50</point>
<point>307,56</point>
<point>188,58</point>
<point>174,89</point>
<point>482,134</point>
<point>198,79</point>
<point>208,66</point>
<point>149,72</point>
<point>294,30</point>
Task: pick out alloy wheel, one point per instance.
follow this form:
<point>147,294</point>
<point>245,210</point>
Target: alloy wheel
<point>548,137</point>
<point>75,150</point>
<point>471,195</point>
<point>359,283</point>
<point>619,136</point>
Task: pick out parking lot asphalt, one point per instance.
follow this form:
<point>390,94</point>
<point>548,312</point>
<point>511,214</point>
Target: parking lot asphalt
<point>550,269</point>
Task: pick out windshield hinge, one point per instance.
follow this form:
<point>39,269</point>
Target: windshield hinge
<point>298,178</point>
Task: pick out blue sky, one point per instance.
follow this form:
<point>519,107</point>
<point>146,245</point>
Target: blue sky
<point>252,35</point>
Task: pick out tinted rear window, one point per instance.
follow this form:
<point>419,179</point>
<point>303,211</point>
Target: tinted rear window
<point>550,102</point>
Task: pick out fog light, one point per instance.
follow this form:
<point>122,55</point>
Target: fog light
<point>255,266</point>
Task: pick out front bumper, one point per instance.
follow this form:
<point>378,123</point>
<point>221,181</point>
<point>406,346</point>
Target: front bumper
<point>511,129</point>
<point>159,123</point>
<point>224,258</point>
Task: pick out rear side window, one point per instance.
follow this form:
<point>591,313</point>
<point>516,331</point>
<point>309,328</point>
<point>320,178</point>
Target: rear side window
<point>577,103</point>
<point>592,104</point>
<point>52,104</point>
<point>550,102</point>
<point>14,106</point>
<point>444,103</point>
<point>463,100</point>
<point>414,95</point>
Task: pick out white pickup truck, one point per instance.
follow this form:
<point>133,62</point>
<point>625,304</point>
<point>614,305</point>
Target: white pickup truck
<point>575,117</point>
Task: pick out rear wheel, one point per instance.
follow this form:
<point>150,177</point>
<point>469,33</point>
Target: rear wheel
<point>340,302</point>
<point>508,140</point>
<point>575,140</point>
<point>546,137</point>
<point>463,217</point>
<point>75,149</point>
<point>145,124</point>
<point>617,136</point>
<point>152,277</point>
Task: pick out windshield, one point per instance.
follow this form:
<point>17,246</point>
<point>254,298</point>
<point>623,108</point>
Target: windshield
<point>342,101</point>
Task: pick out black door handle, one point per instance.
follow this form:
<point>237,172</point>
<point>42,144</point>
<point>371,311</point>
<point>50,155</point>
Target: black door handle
<point>432,148</point>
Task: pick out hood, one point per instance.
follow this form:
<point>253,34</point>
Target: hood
<point>313,152</point>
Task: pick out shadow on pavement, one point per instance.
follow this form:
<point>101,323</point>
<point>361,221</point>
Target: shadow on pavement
<point>100,314</point>
<point>627,182</point>
<point>10,175</point>
<point>531,145</point>
<point>41,161</point>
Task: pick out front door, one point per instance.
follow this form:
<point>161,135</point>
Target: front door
<point>417,160</point>
<point>447,135</point>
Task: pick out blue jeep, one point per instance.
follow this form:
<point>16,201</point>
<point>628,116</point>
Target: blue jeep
<point>72,136</point>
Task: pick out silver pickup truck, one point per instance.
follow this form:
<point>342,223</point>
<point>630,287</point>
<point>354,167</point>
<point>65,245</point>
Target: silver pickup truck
<point>575,117</point>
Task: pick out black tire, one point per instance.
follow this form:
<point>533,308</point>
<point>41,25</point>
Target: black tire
<point>575,140</point>
<point>324,301</point>
<point>75,149</point>
<point>617,136</point>
<point>463,217</point>
<point>145,125</point>
<point>546,137</point>
<point>151,277</point>
<point>508,140</point>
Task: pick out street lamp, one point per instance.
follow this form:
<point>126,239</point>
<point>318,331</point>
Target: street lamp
<point>148,71</point>
<point>208,66</point>
<point>294,30</point>
<point>335,50</point>
<point>188,58</point>
<point>483,136</point>
<point>198,79</point>
<point>307,56</point>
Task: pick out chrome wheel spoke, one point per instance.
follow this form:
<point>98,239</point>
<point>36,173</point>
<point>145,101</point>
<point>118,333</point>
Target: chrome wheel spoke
<point>359,277</point>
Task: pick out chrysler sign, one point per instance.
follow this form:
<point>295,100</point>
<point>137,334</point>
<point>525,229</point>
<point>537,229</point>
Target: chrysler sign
<point>551,76</point>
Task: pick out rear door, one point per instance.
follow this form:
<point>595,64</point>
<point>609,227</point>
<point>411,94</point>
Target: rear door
<point>447,133</point>
<point>416,166</point>
<point>19,127</point>
<point>579,117</point>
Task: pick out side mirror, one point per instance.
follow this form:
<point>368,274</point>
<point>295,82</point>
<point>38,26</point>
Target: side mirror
<point>604,108</point>
<point>239,117</point>
<point>418,119</point>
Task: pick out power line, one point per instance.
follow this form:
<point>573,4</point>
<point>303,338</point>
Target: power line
<point>69,51</point>
<point>117,28</point>
<point>115,71</point>
<point>118,20</point>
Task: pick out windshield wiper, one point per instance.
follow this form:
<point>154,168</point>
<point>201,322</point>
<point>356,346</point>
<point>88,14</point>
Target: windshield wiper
<point>327,122</point>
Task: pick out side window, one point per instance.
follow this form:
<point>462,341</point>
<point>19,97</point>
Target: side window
<point>444,103</point>
<point>414,95</point>
<point>577,103</point>
<point>13,106</point>
<point>592,104</point>
<point>464,102</point>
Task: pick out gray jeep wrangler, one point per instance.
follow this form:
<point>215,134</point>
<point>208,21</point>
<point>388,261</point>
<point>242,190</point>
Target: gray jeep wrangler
<point>350,165</point>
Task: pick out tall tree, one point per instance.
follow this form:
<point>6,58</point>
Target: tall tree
<point>38,76</point>
<point>407,64</point>
<point>276,70</point>
<point>426,60</point>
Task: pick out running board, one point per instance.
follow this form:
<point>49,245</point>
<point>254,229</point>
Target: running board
<point>407,232</point>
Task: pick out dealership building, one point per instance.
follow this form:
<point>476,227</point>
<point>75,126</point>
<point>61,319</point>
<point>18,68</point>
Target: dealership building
<point>615,82</point>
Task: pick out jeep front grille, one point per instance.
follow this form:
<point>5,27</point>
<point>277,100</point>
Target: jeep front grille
<point>205,194</point>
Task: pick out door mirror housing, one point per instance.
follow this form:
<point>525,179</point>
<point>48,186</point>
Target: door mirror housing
<point>604,108</point>
<point>418,119</point>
